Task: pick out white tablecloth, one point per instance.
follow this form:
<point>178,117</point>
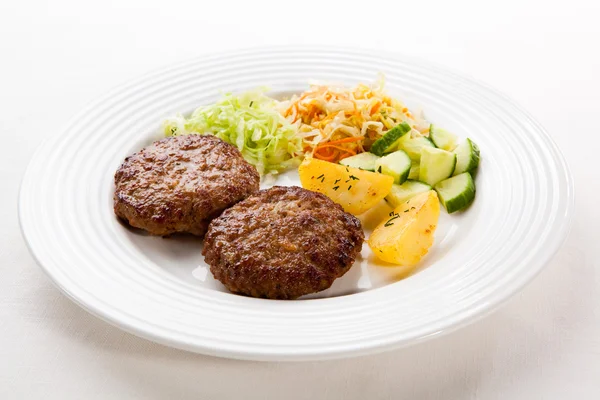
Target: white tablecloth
<point>56,56</point>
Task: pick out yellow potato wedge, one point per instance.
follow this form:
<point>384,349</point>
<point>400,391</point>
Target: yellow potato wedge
<point>354,189</point>
<point>406,235</point>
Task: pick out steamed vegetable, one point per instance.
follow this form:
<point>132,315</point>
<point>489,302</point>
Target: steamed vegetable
<point>251,122</point>
<point>406,235</point>
<point>354,189</point>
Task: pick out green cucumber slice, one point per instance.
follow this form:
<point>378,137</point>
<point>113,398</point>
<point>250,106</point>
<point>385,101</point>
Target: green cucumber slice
<point>396,165</point>
<point>364,161</point>
<point>401,193</point>
<point>413,146</point>
<point>467,157</point>
<point>414,171</point>
<point>442,138</point>
<point>387,142</point>
<point>456,193</point>
<point>436,165</point>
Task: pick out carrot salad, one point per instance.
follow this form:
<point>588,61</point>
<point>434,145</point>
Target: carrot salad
<point>335,122</point>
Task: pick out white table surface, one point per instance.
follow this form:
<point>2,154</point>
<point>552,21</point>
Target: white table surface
<point>56,56</point>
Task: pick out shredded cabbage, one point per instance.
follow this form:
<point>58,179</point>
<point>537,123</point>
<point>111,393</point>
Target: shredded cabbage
<point>337,122</point>
<point>251,122</point>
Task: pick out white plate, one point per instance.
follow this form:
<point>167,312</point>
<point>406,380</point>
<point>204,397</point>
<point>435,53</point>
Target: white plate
<point>160,289</point>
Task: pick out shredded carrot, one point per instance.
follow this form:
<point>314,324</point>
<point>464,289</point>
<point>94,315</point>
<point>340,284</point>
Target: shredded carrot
<point>324,157</point>
<point>332,119</point>
<point>325,150</point>
<point>325,146</point>
<point>345,140</point>
<point>375,108</point>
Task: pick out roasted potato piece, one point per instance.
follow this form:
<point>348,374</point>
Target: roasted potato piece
<point>354,189</point>
<point>406,235</point>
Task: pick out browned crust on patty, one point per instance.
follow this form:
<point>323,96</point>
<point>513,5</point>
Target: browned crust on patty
<point>282,243</point>
<point>180,183</point>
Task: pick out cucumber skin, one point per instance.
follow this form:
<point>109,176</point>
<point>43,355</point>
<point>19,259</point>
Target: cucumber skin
<point>473,161</point>
<point>457,203</point>
<point>442,135</point>
<point>401,178</point>
<point>476,156</point>
<point>385,143</point>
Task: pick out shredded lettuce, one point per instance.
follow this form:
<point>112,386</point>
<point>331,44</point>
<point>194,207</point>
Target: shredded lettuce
<point>251,122</point>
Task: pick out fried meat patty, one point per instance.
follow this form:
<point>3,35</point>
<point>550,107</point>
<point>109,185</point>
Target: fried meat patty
<point>179,184</point>
<point>282,243</point>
